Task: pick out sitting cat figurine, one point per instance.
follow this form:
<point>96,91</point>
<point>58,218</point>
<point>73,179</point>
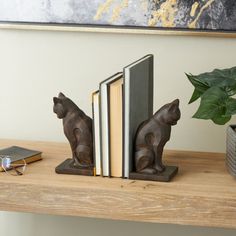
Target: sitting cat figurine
<point>151,137</point>
<point>77,129</point>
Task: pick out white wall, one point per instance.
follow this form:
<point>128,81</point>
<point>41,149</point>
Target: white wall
<point>35,66</point>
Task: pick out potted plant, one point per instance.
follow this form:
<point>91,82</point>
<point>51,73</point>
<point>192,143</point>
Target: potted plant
<point>216,90</point>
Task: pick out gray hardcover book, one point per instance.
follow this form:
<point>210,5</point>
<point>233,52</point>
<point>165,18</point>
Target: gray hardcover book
<point>138,104</point>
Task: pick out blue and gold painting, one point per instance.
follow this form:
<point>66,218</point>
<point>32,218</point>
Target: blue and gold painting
<point>217,15</point>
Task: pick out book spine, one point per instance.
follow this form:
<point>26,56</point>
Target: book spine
<point>93,131</point>
<point>151,88</point>
<point>108,131</point>
<point>123,131</point>
<point>100,130</point>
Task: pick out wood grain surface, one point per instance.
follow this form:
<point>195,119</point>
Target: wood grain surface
<point>202,193</point>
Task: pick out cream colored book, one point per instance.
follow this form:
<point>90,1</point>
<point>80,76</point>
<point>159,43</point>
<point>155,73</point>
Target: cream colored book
<point>104,123</point>
<point>96,132</point>
<point>115,129</point>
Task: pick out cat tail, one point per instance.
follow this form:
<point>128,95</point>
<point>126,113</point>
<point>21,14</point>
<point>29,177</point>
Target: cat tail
<point>143,158</point>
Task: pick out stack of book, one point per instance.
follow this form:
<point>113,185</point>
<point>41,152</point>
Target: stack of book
<point>122,103</point>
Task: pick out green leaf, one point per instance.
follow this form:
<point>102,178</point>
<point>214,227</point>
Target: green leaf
<point>224,79</point>
<point>231,106</point>
<point>200,87</point>
<point>220,78</point>
<point>221,120</point>
<point>209,111</point>
<point>196,82</point>
<point>231,90</point>
<point>196,94</point>
<point>213,106</point>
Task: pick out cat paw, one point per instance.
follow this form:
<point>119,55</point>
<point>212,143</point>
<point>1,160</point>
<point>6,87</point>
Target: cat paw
<point>159,168</point>
<point>149,171</point>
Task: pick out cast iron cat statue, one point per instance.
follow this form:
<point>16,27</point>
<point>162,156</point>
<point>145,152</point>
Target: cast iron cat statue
<point>151,137</point>
<point>78,131</point>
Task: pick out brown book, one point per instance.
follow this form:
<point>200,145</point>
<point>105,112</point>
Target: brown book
<point>18,153</point>
<point>115,127</point>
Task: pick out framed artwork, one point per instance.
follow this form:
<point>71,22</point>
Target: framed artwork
<point>194,17</point>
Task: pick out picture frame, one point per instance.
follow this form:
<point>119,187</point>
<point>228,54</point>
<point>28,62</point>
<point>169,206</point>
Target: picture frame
<point>165,17</point>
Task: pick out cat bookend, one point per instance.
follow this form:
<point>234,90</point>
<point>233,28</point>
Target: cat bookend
<point>78,130</point>
<point>150,139</point>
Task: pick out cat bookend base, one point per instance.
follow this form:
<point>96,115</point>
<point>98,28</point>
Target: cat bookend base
<point>165,176</point>
<point>78,130</point>
<point>67,167</point>
<point>151,137</point>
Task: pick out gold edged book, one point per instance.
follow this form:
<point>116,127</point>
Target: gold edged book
<point>96,132</point>
<point>18,153</point>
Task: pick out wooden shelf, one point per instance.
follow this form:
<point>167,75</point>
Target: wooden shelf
<point>202,194</point>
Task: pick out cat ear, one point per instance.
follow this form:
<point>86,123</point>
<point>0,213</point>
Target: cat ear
<point>174,105</point>
<point>61,95</point>
<point>176,102</point>
<point>56,100</point>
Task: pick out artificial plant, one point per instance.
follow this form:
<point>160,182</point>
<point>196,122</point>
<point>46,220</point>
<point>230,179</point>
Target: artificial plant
<point>216,90</point>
